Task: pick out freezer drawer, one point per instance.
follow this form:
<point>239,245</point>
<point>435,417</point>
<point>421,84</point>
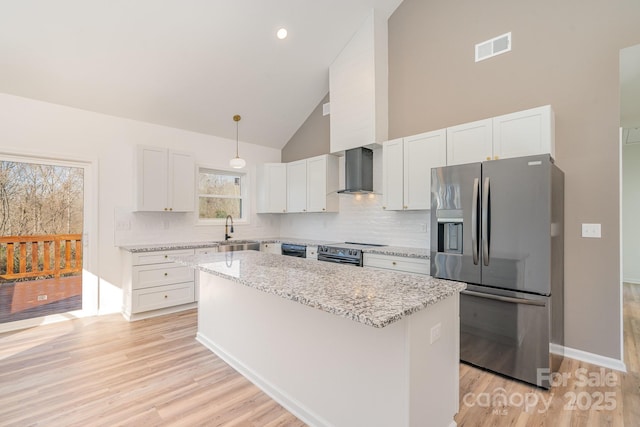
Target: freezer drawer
<point>505,332</point>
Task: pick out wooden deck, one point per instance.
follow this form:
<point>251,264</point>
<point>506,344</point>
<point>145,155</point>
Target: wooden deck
<point>36,298</point>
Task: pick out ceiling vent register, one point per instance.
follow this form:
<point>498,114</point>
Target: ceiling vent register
<point>493,47</point>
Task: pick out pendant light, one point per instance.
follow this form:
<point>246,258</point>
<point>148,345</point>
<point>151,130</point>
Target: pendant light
<point>237,162</point>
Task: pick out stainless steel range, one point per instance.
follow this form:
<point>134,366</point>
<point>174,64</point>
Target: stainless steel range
<point>344,253</point>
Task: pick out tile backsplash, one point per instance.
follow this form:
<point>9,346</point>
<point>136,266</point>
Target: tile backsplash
<point>361,219</point>
<point>134,228</point>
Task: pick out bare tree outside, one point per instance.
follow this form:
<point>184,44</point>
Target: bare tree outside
<point>40,199</point>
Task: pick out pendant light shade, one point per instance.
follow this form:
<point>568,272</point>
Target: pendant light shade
<point>237,162</point>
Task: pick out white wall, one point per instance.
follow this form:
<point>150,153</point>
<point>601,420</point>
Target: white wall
<point>631,213</point>
<point>30,127</point>
<point>362,219</point>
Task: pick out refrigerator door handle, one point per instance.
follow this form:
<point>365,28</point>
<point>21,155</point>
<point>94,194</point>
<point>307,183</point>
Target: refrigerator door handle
<point>474,220</point>
<point>504,299</point>
<point>485,222</point>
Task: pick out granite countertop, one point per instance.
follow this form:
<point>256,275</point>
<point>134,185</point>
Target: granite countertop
<point>297,241</point>
<point>156,247</point>
<point>372,297</point>
<point>383,250</point>
<point>399,251</point>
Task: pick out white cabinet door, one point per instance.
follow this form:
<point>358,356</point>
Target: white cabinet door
<point>151,191</point>
<point>181,182</point>
<point>470,142</point>
<point>165,180</point>
<point>271,248</point>
<point>271,182</point>
<point>524,133</point>
<point>317,184</point>
<point>392,174</point>
<point>421,153</point>
<point>322,184</point>
<point>297,186</point>
<point>312,253</point>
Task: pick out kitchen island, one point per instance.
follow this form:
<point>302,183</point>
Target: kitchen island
<point>336,345</point>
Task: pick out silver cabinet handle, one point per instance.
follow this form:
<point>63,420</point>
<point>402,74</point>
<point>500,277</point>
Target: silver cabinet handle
<point>504,299</point>
<point>474,220</point>
<point>485,221</point>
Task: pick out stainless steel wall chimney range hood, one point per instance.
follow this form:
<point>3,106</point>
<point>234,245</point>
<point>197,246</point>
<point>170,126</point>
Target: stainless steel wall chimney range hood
<point>358,173</point>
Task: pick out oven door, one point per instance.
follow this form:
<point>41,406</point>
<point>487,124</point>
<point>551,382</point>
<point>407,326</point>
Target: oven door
<point>506,332</point>
<point>299,251</point>
<point>340,260</point>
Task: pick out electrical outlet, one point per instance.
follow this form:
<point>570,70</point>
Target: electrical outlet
<point>592,231</point>
<point>435,332</point>
<point>123,225</point>
<point>42,297</point>
<point>423,227</point>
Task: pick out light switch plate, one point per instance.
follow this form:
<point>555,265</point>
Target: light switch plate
<point>592,230</point>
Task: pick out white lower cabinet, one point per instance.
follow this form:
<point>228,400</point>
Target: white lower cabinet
<point>312,253</point>
<point>202,251</point>
<point>272,248</point>
<point>397,263</point>
<point>153,282</point>
<point>156,297</point>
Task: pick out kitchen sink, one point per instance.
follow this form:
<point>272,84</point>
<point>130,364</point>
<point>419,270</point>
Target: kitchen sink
<point>239,245</point>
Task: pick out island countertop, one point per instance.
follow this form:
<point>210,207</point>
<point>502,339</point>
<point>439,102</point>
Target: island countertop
<point>372,297</point>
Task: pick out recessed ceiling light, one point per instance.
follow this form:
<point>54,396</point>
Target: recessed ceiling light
<point>282,33</point>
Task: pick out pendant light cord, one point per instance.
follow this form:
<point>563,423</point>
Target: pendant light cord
<point>237,118</point>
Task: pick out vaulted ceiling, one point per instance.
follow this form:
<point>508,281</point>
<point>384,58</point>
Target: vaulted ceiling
<point>189,64</point>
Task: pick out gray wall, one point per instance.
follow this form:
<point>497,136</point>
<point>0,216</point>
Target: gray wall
<point>312,139</point>
<point>564,54</point>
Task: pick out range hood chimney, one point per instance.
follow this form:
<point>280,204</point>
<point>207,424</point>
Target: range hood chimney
<point>358,173</point>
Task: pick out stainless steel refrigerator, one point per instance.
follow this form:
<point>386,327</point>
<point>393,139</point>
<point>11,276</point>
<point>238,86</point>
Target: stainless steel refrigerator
<point>498,226</point>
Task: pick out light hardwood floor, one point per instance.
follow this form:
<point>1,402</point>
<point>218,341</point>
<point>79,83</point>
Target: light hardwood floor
<point>104,371</point>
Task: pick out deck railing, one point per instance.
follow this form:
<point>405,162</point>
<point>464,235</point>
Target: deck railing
<point>35,258</point>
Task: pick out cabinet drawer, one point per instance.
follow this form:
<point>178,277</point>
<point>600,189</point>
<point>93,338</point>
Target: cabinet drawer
<point>144,258</point>
<point>404,264</point>
<point>162,296</point>
<point>146,276</point>
<point>205,251</point>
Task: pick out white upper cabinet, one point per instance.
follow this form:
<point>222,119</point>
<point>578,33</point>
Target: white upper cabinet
<point>406,169</point>
<point>393,174</point>
<point>358,84</point>
<point>271,183</point>
<point>297,186</point>
<point>182,181</point>
<point>421,153</point>
<point>524,133</point>
<point>165,180</point>
<point>470,142</point>
<point>312,184</point>
<point>322,184</point>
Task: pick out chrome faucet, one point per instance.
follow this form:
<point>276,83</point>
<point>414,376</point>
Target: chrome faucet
<point>226,227</point>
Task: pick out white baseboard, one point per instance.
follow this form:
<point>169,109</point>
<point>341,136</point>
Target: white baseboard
<point>284,399</point>
<point>585,356</point>
<point>159,312</point>
<point>632,281</point>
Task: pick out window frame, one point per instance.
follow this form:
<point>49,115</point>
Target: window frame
<point>244,195</point>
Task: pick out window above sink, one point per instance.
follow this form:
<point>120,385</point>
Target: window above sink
<point>221,193</point>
